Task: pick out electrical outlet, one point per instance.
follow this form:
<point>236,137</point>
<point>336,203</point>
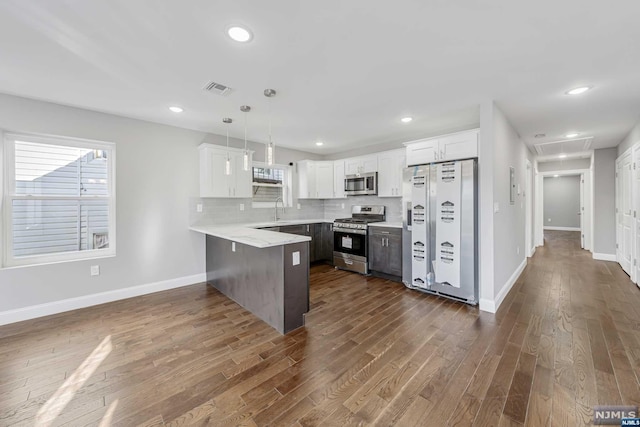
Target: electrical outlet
<point>95,270</point>
<point>199,207</point>
<point>548,219</point>
<point>496,207</point>
<point>233,246</point>
<point>298,206</point>
<point>241,206</point>
<point>295,258</point>
<point>341,205</point>
<point>518,250</point>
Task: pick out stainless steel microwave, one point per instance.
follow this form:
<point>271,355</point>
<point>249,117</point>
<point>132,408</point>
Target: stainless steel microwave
<point>361,184</point>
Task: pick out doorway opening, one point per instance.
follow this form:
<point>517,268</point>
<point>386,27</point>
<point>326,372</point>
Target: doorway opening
<point>563,203</point>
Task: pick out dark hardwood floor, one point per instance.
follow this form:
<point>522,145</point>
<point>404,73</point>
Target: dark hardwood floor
<point>566,338</point>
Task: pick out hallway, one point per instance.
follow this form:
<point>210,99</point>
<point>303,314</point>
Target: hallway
<point>581,320</point>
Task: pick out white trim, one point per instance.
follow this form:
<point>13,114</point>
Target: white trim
<point>34,311</point>
<point>532,251</point>
<point>605,257</point>
<point>492,306</point>
<point>562,228</point>
<point>8,145</point>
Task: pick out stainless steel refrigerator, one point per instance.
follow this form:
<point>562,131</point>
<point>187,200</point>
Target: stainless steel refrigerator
<point>440,229</point>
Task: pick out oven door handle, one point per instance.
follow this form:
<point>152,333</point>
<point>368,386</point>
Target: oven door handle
<point>348,262</point>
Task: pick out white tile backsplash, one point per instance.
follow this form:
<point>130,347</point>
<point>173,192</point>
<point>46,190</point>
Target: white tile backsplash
<point>227,211</point>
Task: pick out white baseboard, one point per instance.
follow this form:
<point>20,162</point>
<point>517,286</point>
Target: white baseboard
<point>40,310</point>
<point>562,228</point>
<point>532,251</point>
<point>605,257</point>
<point>492,306</point>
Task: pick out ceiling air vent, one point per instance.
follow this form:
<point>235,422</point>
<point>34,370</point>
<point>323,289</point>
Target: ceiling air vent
<point>564,146</point>
<point>217,88</point>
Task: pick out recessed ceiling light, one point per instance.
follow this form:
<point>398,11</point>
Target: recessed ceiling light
<point>239,34</point>
<point>572,134</point>
<point>555,176</point>
<point>176,109</point>
<point>319,143</point>
<point>406,119</point>
<point>578,90</point>
<point>562,156</point>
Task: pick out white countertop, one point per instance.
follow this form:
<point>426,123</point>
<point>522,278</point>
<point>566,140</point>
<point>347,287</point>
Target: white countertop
<point>386,224</point>
<point>248,235</point>
<point>284,222</point>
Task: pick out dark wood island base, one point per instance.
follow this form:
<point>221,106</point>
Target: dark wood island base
<point>271,282</point>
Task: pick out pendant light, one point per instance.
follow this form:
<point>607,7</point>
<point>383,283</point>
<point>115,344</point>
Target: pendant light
<point>245,157</point>
<point>270,147</point>
<point>227,163</point>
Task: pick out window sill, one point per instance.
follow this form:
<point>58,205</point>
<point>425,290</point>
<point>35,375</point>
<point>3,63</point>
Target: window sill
<point>22,264</point>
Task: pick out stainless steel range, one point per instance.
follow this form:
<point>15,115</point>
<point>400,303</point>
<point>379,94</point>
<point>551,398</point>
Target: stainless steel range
<point>350,244</point>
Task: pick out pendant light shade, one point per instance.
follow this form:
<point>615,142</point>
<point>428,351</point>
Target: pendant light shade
<point>227,163</point>
<point>245,156</point>
<point>269,155</point>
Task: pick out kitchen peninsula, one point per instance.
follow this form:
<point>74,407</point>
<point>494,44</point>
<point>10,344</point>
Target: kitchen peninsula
<point>266,272</point>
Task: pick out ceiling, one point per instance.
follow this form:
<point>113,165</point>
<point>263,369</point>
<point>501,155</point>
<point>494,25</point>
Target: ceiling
<point>345,72</point>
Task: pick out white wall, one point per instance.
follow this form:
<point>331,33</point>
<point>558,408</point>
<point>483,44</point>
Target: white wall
<point>562,201</point>
<point>604,209</point>
<point>157,173</point>
<point>630,139</point>
<point>502,233</point>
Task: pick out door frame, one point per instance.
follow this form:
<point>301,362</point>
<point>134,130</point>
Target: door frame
<point>634,204</point>
<point>528,233</point>
<point>585,202</point>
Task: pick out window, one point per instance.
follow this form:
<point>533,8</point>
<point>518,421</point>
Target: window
<point>58,200</point>
<point>269,183</point>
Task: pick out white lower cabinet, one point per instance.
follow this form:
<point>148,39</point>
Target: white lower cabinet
<point>214,182</point>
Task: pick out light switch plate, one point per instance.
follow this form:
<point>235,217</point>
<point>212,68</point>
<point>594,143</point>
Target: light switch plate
<point>496,207</point>
<point>341,205</point>
<point>298,206</point>
<point>296,258</point>
<point>95,270</point>
<point>233,246</point>
<point>199,207</point>
<point>241,206</point>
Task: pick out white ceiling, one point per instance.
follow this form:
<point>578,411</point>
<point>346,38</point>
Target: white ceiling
<point>345,71</point>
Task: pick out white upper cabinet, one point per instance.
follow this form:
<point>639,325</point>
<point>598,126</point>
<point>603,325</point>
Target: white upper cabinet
<point>359,165</point>
<point>390,167</point>
<point>324,180</point>
<point>462,145</point>
<point>315,179</point>
<point>214,182</point>
<point>338,179</point>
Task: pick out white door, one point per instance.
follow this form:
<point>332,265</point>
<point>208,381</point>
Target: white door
<point>422,152</point>
<point>636,212</point>
<point>625,213</point>
<point>581,212</point>
<point>528,188</point>
<point>369,163</point>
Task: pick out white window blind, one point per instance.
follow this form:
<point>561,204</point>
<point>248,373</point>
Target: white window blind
<point>60,199</point>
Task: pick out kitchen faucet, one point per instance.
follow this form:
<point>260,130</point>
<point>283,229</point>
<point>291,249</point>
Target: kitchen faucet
<point>275,215</point>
